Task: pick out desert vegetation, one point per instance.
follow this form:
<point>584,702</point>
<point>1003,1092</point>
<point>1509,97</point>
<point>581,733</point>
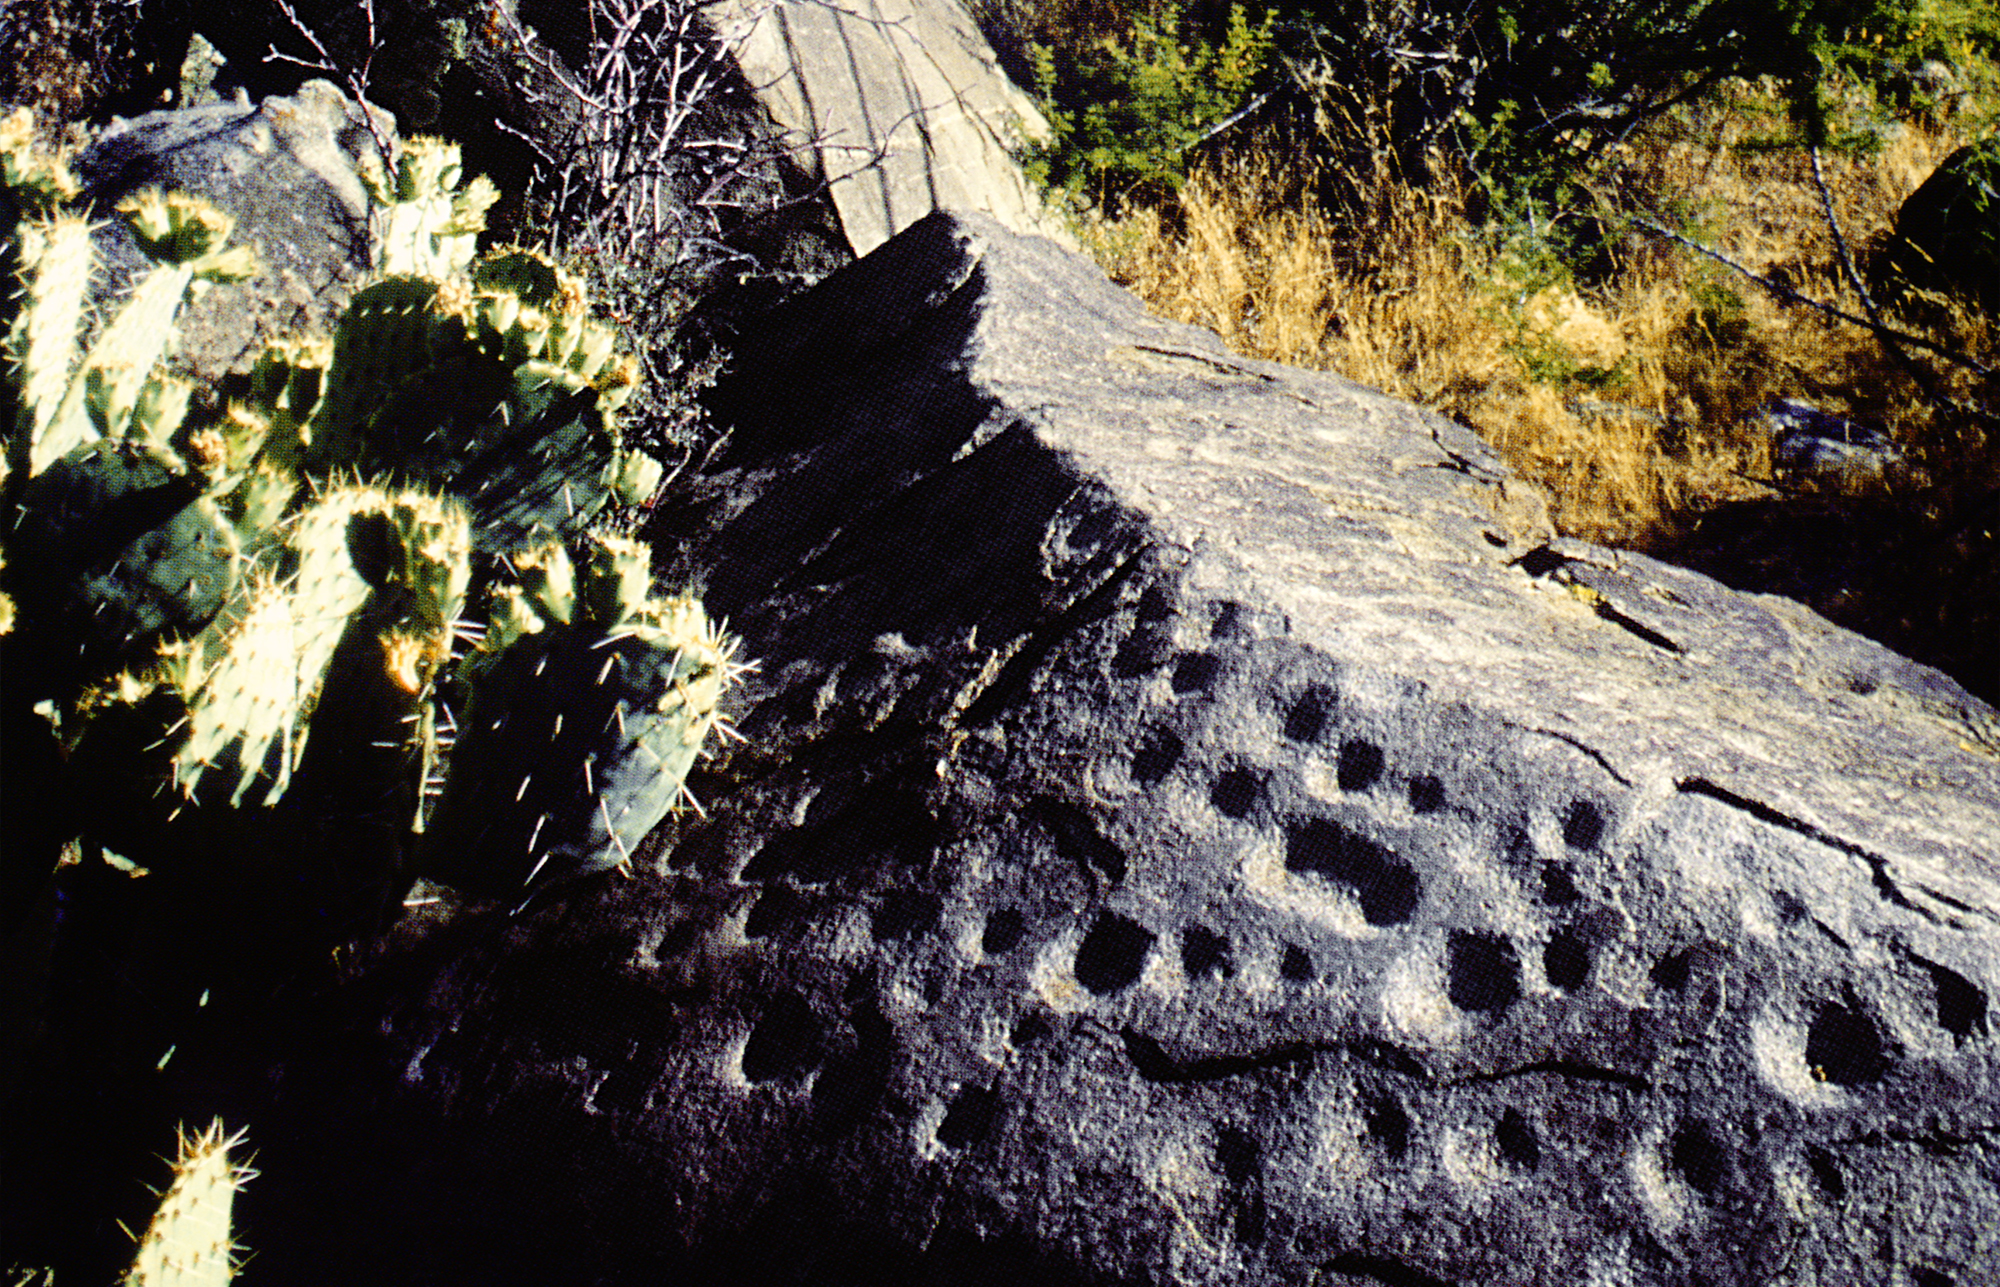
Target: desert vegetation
<point>1608,267</point>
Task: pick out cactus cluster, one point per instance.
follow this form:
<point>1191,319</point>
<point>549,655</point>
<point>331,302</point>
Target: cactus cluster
<point>211,590</point>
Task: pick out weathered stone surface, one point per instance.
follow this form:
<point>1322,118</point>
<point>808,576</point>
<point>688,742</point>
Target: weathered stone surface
<point>285,168</point>
<point>1194,827</point>
<point>906,106</point>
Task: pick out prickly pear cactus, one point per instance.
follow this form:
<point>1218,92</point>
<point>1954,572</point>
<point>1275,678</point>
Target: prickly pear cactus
<point>590,702</point>
<point>187,1242</point>
<point>255,598</point>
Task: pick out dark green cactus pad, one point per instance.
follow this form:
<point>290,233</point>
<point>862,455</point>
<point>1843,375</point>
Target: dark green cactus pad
<point>113,551</point>
<point>574,746</point>
<point>552,477</point>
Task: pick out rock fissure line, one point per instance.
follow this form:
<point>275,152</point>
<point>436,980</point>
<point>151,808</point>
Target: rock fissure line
<point>1878,866</point>
<point>1566,1068</point>
<point>1591,751</point>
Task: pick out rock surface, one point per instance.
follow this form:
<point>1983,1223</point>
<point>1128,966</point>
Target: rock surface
<point>904,103</point>
<point>285,168</point>
<point>1195,826</point>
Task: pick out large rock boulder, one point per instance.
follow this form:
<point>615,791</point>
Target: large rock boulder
<point>1195,824</point>
<point>1947,233</point>
<point>900,107</point>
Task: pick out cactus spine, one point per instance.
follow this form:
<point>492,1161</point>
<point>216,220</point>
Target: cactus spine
<point>187,1242</point>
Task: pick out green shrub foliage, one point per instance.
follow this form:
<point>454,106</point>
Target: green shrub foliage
<point>1128,115</point>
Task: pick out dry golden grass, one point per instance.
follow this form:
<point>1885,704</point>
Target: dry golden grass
<point>1624,398</point>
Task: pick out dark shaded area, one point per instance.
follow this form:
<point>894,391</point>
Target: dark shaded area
<point>1296,966</point>
<point>1426,794</point>
<point>883,825</point>
<point>1919,574</point>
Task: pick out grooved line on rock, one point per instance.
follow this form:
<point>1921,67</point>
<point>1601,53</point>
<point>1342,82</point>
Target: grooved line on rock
<point>1152,1061</point>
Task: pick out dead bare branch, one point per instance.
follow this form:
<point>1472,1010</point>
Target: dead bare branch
<point>356,79</point>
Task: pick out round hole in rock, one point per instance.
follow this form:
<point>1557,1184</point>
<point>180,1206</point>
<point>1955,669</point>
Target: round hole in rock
<point>1297,965</point>
<point>1583,825</point>
<point>1196,672</point>
<point>1388,888</point>
<point>1426,794</point>
<point>1389,1125</point>
<point>1157,756</point>
<point>1700,1158</point>
<point>1236,1152</point>
<point>1029,1029</point>
<point>970,1118</point>
<point>1360,765</point>
<point>1961,1005</point>
<point>1204,952</point>
<point>1826,1172</point>
<point>1517,1141</point>
<point>1003,931</point>
<point>1671,970</point>
<point>1235,792</point>
<point>775,908</point>
<point>1112,954</point>
<point>1558,886</point>
<point>905,913</point>
<point>1566,961</point>
<point>785,1041</point>
<point>1844,1047</point>
<point>1484,974</point>
<point>1307,716</point>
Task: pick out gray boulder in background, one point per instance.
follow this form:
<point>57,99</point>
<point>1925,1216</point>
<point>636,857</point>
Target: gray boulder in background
<point>1810,444</point>
<point>285,169</point>
<point>1196,825</point>
<point>899,106</point>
